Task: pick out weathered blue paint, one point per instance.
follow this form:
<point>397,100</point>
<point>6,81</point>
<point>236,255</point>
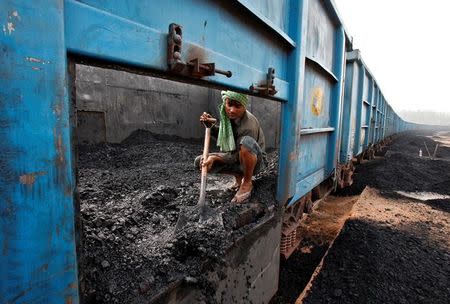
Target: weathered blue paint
<point>352,109</point>
<point>303,40</point>
<point>273,14</point>
<point>37,259</point>
<point>366,107</point>
<point>291,111</point>
<point>361,114</point>
<point>131,33</point>
<point>336,110</point>
<point>321,102</point>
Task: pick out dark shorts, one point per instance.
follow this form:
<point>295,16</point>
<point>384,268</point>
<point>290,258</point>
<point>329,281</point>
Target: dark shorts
<point>232,165</point>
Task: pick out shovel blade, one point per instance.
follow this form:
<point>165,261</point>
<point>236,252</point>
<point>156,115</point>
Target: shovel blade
<point>201,214</point>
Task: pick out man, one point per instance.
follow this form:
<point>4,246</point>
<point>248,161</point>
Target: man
<point>241,141</point>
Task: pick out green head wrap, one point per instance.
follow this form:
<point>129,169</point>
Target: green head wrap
<point>225,139</point>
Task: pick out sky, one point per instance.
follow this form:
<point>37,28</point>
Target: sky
<point>406,45</point>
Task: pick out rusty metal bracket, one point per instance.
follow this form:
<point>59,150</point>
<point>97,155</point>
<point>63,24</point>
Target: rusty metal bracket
<point>192,68</point>
<point>198,69</point>
<point>266,87</point>
<point>174,43</point>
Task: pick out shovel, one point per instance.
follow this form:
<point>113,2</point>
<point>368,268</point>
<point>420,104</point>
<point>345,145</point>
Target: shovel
<point>201,209</point>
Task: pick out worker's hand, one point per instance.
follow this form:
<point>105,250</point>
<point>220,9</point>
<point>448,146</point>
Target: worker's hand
<point>208,163</point>
<point>207,118</point>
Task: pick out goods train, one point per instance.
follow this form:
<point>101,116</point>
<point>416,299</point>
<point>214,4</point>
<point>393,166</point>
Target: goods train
<point>297,53</point>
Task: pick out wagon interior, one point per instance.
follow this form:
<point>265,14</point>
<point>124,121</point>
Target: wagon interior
<point>136,138</point>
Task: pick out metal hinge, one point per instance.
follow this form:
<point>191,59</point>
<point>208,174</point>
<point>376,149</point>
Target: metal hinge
<point>266,87</point>
<point>192,68</point>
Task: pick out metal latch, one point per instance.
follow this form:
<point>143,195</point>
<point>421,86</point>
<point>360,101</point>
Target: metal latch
<point>266,87</point>
<point>193,67</point>
<point>174,43</point>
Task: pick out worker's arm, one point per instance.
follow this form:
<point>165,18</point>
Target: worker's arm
<point>210,160</point>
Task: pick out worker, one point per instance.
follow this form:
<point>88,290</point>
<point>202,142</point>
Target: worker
<point>241,142</point>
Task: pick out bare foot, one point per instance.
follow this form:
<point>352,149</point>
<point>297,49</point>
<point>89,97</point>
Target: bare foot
<point>244,192</point>
<point>237,183</point>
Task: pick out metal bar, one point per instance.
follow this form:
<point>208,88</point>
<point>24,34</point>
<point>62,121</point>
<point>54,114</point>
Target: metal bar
<point>269,24</point>
<point>307,184</point>
<point>317,130</point>
<point>346,128</point>
<point>359,118</point>
<point>322,68</point>
<point>101,35</point>
<point>369,111</point>
<point>336,107</point>
<point>290,111</point>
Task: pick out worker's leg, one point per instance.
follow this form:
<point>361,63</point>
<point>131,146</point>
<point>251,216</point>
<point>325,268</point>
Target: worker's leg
<point>232,168</point>
<point>237,181</point>
<point>248,162</point>
<point>249,155</point>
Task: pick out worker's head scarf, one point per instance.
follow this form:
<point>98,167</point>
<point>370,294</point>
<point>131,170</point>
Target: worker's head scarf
<point>225,140</point>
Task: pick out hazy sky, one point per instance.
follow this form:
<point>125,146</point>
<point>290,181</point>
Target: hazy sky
<point>406,45</point>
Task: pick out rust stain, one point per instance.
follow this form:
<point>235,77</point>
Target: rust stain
<point>292,156</point>
<point>30,178</point>
<point>27,179</point>
<point>36,60</point>
<point>32,59</point>
<point>68,300</point>
<point>59,150</point>
<point>10,27</point>
<point>57,109</point>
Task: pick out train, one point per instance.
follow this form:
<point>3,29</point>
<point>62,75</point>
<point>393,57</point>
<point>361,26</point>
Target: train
<point>296,53</point>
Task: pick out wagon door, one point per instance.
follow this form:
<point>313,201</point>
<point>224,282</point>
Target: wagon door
<point>320,108</point>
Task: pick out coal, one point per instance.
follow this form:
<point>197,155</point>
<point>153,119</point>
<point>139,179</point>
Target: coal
<point>131,195</point>
<point>392,260</point>
<point>401,169</point>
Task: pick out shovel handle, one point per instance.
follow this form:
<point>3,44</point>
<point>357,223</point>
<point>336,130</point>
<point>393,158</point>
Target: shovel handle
<point>201,200</point>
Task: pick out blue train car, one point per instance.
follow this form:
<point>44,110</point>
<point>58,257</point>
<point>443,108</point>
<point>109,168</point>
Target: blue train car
<point>290,51</point>
<point>368,119</point>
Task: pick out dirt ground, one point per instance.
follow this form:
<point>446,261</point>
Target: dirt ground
<point>390,250</point>
<point>319,229</point>
<point>131,196</point>
<point>358,267</point>
<point>395,247</point>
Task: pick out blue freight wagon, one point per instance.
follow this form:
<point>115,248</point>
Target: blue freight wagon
<point>290,51</point>
<point>364,117</point>
<point>368,120</point>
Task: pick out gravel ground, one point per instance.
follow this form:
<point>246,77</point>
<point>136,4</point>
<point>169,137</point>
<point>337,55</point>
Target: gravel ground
<point>131,196</point>
<point>395,247</point>
<point>390,251</point>
<point>319,229</point>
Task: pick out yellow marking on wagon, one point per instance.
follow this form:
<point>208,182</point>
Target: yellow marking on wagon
<point>317,101</point>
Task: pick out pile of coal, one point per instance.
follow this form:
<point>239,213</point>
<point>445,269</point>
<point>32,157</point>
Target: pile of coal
<point>131,197</point>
